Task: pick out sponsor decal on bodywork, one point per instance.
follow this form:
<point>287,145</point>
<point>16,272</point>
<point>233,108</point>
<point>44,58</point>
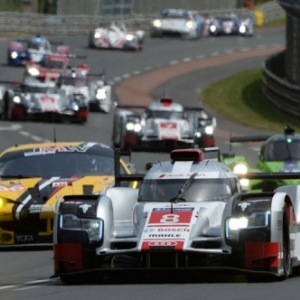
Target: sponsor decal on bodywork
<point>59,148</point>
<point>15,187</point>
<point>167,229</point>
<point>41,208</point>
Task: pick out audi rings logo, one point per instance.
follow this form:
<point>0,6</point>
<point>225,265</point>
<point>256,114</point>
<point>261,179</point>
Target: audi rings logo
<point>163,243</point>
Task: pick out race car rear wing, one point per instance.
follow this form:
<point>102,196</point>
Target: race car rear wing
<point>275,175</point>
<point>248,139</point>
<point>131,107</point>
<point>210,153</point>
<point>244,139</point>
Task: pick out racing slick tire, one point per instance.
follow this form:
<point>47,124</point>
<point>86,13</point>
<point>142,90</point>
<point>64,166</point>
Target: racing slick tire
<point>91,39</point>
<point>80,279</point>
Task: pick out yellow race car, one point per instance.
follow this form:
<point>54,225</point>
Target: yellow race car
<point>33,176</point>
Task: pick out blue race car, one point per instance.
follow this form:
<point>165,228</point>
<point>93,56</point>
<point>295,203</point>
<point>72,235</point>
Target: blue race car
<point>230,25</point>
<point>34,49</point>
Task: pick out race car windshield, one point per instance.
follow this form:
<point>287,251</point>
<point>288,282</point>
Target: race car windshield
<point>163,114</point>
<point>59,164</point>
<point>74,81</point>
<point>283,150</point>
<point>40,89</point>
<point>174,15</point>
<point>158,190</point>
<point>36,45</point>
<point>53,64</point>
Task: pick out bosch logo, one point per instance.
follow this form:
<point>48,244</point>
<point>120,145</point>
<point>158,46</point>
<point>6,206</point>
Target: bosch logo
<point>162,243</point>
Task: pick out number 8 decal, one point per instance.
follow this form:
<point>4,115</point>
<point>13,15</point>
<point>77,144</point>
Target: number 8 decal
<point>169,218</point>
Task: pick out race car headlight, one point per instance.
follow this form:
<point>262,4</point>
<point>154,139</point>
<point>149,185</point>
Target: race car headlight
<point>254,220</point>
<point>14,55</point>
<point>101,94</point>
<point>244,183</point>
<point>76,107</point>
<point>16,99</point>
<point>137,127</point>
<point>33,71</point>
<point>129,37</point>
<point>156,23</point>
<point>129,126</point>
<point>189,24</point>
<point>240,169</point>
<point>212,28</point>
<point>97,35</point>
<point>237,223</point>
<point>93,227</point>
<point>242,29</point>
<point>209,129</point>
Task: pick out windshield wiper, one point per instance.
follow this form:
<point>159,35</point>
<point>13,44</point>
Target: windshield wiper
<point>182,191</point>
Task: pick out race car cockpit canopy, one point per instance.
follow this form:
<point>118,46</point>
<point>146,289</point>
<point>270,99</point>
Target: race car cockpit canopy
<point>165,108</point>
<point>73,78</point>
<point>282,148</point>
<point>188,178</point>
<point>176,13</point>
<point>38,43</point>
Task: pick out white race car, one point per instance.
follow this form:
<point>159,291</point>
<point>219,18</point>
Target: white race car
<point>178,22</point>
<point>97,93</point>
<point>163,126</point>
<point>189,216</point>
<point>42,100</point>
<point>116,37</point>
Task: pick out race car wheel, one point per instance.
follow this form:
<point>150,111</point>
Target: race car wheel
<point>286,253</point>
<point>91,39</point>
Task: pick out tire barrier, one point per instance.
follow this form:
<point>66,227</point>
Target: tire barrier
<point>283,96</point>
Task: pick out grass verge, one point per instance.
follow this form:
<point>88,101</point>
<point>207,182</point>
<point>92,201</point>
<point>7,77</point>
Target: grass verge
<point>239,98</point>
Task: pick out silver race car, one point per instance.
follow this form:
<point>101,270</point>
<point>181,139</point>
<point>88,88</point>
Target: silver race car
<point>97,93</point>
<point>42,100</point>
<point>164,125</point>
<point>189,215</point>
<point>116,36</point>
<point>178,22</point>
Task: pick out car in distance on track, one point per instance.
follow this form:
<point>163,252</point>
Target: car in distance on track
<point>230,25</point>
<point>164,125</point>
<point>278,153</point>
<point>77,82</point>
<point>33,176</point>
<point>34,49</point>
<point>178,22</point>
<point>52,66</point>
<point>188,215</point>
<point>37,99</point>
<point>116,36</point>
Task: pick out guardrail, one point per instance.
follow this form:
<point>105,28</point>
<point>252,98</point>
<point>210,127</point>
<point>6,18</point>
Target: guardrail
<point>26,23</point>
<point>282,95</point>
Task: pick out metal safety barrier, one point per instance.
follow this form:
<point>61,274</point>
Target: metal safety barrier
<point>281,94</point>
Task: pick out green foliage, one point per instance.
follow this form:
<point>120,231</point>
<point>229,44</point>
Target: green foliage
<point>239,99</point>
<point>47,7</point>
<point>10,5</point>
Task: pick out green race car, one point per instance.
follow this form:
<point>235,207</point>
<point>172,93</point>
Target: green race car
<point>278,153</point>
